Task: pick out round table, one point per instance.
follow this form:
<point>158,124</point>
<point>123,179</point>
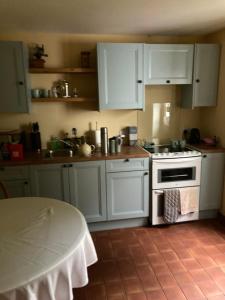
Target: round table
<point>45,249</point>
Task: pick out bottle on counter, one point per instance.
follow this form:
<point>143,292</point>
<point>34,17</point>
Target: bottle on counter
<point>104,140</point>
<point>97,138</point>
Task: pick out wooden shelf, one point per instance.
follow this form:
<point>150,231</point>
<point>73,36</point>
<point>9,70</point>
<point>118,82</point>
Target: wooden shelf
<point>64,100</point>
<point>61,70</point>
<point>10,132</point>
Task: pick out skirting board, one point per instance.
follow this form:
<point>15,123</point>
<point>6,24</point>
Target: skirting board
<point>208,214</point>
<point>118,224</point>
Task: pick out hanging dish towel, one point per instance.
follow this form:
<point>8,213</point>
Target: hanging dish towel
<point>189,200</point>
<point>171,205</point>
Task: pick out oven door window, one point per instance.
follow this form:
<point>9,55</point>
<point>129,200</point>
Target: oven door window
<point>176,174</point>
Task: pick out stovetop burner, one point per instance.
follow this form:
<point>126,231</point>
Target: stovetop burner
<point>166,151</point>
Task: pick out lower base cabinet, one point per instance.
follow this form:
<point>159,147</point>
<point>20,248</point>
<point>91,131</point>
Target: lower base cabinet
<point>50,180</point>
<point>212,180</point>
<point>127,195</point>
<point>88,189</point>
<point>16,181</point>
<point>81,184</point>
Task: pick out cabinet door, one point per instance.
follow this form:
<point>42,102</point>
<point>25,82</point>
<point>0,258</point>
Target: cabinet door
<point>168,64</point>
<point>120,76</point>
<point>212,178</point>
<point>13,74</point>
<point>127,195</point>
<point>16,188</point>
<point>203,90</point>
<point>87,188</point>
<point>51,181</point>
<point>206,70</point>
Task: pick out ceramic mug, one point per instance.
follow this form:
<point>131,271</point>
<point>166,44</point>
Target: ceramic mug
<point>36,93</point>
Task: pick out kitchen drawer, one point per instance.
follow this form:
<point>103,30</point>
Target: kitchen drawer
<point>127,164</point>
<point>10,173</point>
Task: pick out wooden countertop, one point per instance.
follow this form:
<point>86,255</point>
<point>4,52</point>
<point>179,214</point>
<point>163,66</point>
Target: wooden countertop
<point>39,158</point>
<point>207,148</point>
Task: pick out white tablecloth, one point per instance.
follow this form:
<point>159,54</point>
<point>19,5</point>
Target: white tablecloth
<point>45,248</point>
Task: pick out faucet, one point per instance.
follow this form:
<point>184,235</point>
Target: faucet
<point>70,144</point>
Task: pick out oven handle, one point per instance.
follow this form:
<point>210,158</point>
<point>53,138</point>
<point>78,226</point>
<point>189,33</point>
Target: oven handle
<point>172,176</point>
<point>159,192</point>
<point>176,161</point>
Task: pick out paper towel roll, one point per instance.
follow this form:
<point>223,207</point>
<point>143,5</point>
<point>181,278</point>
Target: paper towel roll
<point>98,138</point>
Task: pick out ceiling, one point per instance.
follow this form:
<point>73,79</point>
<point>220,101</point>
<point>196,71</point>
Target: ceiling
<point>152,17</point>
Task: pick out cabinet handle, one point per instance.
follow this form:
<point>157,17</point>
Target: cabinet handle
<point>197,80</point>
<point>67,166</point>
<point>168,81</point>
<point>25,182</point>
<point>146,173</point>
<point>20,82</point>
<point>139,81</point>
<point>127,160</point>
<point>204,156</point>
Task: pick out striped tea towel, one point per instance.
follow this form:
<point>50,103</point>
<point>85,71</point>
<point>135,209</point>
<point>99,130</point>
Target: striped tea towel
<point>171,205</point>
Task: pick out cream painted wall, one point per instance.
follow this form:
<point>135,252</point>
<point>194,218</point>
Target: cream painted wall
<point>213,119</point>
<point>64,50</point>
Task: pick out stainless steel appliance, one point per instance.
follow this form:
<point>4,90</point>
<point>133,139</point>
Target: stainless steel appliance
<point>179,169</point>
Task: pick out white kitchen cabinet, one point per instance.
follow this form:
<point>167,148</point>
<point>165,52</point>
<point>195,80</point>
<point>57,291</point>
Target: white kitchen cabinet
<point>120,76</point>
<point>127,190</point>
<point>203,90</point>
<point>88,189</point>
<point>15,96</point>
<point>212,179</point>
<point>168,63</point>
<point>50,180</point>
<point>16,180</point>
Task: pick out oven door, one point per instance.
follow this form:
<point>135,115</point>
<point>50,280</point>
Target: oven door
<point>158,209</point>
<point>177,172</point>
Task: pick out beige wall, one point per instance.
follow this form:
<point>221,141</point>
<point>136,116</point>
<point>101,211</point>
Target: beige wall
<point>64,50</point>
<point>213,119</point>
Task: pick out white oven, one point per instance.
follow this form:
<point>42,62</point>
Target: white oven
<point>158,209</point>
<point>176,172</point>
<point>170,173</point>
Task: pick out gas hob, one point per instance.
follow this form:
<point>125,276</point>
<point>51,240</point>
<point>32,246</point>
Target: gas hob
<point>166,152</point>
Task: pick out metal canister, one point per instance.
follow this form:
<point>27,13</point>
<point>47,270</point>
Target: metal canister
<point>112,145</point>
<point>104,140</point>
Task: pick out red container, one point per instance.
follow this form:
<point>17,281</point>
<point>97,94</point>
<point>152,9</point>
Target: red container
<point>16,151</point>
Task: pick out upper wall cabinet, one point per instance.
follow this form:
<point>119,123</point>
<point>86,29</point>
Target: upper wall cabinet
<point>13,73</point>
<point>168,64</point>
<point>203,90</point>
<point>120,76</point>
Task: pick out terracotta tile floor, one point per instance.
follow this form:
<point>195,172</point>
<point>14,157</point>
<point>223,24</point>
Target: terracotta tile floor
<point>184,261</point>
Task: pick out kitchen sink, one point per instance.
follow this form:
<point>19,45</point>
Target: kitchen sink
<point>58,153</point>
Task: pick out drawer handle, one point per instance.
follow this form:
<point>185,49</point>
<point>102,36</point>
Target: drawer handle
<point>127,160</point>
<point>168,81</point>
<point>204,156</point>
<point>25,182</point>
<point>139,81</point>
<point>146,173</point>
